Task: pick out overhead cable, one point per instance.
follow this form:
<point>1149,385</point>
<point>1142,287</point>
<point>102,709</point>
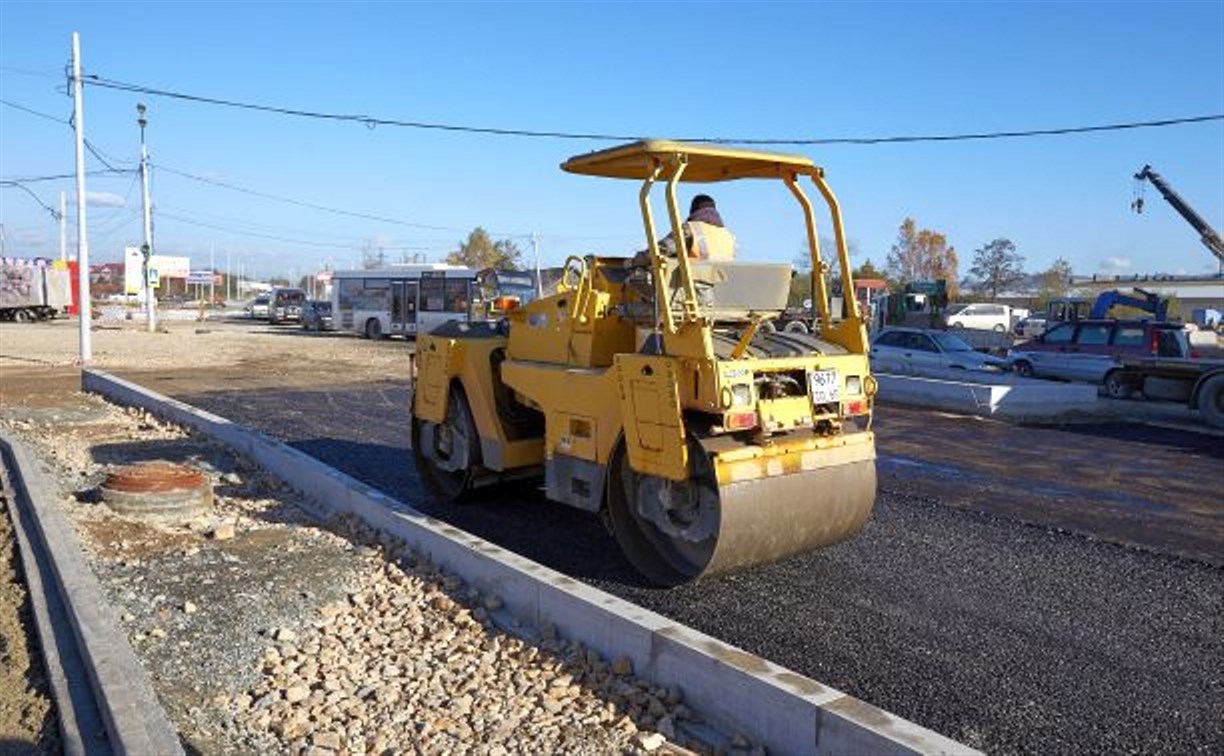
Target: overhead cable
<point>372,121</point>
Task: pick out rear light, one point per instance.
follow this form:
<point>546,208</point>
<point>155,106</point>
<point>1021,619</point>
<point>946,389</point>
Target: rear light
<point>740,420</point>
<point>1196,355</point>
<point>857,407</point>
<point>854,384</point>
<point>1154,347</point>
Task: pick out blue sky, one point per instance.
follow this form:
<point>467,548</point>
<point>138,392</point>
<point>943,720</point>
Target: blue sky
<point>680,69</point>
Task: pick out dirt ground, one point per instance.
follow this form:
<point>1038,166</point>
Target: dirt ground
<point>27,715</point>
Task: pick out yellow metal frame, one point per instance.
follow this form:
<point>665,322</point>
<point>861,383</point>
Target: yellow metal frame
<point>677,162</point>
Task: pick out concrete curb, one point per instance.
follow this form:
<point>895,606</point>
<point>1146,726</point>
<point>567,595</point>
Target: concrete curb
<point>134,720</point>
<point>786,712</point>
<point>1015,400</point>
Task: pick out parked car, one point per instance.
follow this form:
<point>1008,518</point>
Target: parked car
<point>259,307</point>
<point>1030,327</point>
<point>285,304</point>
<point>317,316</point>
<point>1091,350</point>
<point>982,317</point>
<point>910,350</point>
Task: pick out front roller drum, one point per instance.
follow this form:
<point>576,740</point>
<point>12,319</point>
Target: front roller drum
<point>676,532</point>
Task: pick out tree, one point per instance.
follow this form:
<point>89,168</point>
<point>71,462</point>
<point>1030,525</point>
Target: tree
<point>1055,281</point>
<point>922,255</point>
<point>480,251</point>
<point>869,270</point>
<point>997,265</point>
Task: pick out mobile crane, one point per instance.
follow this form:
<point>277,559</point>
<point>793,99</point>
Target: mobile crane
<point>1209,237</point>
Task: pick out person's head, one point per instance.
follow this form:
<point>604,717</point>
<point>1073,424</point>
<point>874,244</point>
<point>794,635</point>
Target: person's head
<point>701,201</point>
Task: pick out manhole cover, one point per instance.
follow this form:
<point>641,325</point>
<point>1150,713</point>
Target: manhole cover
<point>159,491</point>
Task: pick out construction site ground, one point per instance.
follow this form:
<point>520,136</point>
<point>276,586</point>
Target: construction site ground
<point>1020,588</point>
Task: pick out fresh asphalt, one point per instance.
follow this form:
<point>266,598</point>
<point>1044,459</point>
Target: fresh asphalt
<point>1009,636</point>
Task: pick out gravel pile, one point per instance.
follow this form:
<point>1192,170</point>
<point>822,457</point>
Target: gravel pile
<point>412,660</point>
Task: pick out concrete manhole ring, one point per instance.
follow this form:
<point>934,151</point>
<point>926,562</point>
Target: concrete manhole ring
<point>161,492</point>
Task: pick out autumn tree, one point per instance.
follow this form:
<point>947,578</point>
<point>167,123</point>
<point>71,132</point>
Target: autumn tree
<point>997,265</point>
<point>921,254</point>
<point>1054,281</point>
<point>480,251</point>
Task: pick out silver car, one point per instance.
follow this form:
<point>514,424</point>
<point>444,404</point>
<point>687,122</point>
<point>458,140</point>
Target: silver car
<point>913,350</point>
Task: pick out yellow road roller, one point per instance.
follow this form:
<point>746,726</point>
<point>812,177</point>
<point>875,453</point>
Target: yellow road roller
<point>655,391</point>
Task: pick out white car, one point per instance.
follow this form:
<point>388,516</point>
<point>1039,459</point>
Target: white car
<point>260,307</point>
<point>982,317</point>
<point>911,350</point>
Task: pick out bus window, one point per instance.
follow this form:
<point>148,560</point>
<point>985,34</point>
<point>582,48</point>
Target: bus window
<point>433,294</point>
<point>456,295</point>
<point>349,291</point>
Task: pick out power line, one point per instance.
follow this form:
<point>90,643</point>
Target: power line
<point>309,205</point>
<point>18,185</point>
<point>288,240</point>
<point>100,172</point>
<point>372,121</point>
<point>33,112</point>
<point>47,74</point>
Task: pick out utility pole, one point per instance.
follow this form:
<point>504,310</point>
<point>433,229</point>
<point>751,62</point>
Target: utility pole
<point>78,120</point>
<point>228,293</point>
<point>212,273</point>
<point>147,249</point>
<point>63,223</point>
<point>535,248</point>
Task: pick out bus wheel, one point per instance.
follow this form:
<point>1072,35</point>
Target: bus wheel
<point>373,329</point>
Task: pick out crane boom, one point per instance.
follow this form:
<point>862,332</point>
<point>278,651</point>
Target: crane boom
<point>1209,237</point>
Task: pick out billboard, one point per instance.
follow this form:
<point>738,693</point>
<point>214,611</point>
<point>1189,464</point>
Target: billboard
<point>167,266</point>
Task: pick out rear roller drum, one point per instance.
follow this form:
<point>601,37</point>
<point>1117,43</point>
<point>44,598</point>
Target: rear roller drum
<point>667,529</point>
<point>447,453</point>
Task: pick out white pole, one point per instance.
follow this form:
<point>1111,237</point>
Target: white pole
<point>78,119</point>
<point>212,272</point>
<point>63,221</point>
<point>229,289</point>
<point>147,249</point>
<point>535,247</point>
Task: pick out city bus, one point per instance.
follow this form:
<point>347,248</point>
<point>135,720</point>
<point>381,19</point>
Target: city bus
<point>401,299</point>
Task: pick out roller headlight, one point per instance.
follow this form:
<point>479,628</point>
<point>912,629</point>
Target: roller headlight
<point>741,395</point>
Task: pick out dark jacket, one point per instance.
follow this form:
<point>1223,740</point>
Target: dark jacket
<point>707,215</point>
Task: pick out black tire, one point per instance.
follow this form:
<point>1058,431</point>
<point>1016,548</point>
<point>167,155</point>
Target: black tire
<point>663,559</point>
<point>1211,401</point>
<point>21,316</point>
<point>373,329</point>
<point>1024,369</point>
<point>1116,385</point>
<point>796,326</point>
<point>958,325</point>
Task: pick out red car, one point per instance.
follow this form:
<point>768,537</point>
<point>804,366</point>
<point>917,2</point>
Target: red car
<point>1089,350</point>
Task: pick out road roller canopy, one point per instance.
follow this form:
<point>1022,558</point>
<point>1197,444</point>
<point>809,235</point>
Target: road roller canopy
<point>706,163</point>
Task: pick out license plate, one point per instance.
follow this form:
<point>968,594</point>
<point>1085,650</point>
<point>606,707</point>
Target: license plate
<point>823,387</point>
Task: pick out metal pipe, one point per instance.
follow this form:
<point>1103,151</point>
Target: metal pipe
<point>663,316</point>
<point>682,259</point>
<point>839,237</point>
<point>820,289</point>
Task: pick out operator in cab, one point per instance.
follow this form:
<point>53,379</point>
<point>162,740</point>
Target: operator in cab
<point>705,235</point>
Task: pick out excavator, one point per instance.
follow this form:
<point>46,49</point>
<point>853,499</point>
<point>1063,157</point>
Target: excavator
<point>651,391</point>
<point>1211,240</point>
